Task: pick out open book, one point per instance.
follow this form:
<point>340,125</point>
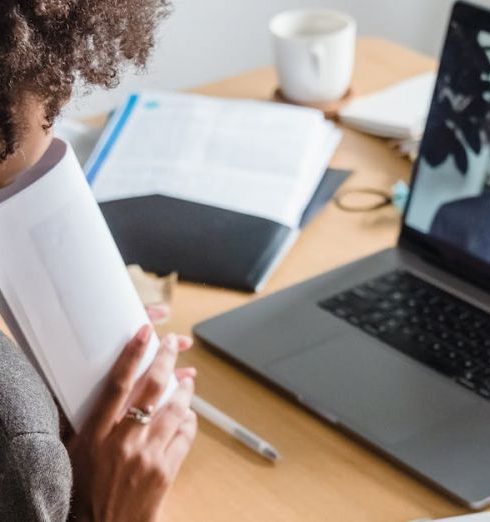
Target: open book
<point>65,292</point>
<point>221,185</point>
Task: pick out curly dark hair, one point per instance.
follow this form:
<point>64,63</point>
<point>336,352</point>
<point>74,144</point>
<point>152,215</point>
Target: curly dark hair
<point>47,46</point>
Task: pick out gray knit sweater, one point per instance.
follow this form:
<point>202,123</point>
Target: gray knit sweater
<point>35,471</point>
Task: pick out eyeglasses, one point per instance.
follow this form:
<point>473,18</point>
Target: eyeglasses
<point>369,199</point>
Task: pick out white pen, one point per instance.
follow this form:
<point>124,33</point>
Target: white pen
<point>236,430</point>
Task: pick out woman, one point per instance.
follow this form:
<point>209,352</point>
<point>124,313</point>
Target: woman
<point>122,463</point>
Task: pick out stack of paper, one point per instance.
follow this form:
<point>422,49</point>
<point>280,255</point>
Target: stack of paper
<point>399,112</point>
<point>218,187</point>
<point>65,292</point>
<point>258,158</point>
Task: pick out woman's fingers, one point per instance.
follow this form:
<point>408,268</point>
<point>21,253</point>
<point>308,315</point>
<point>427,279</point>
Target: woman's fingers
<point>154,382</point>
<point>121,380</point>
<point>158,313</point>
<point>185,342</point>
<point>167,420</point>
<point>182,373</point>
<point>180,445</point>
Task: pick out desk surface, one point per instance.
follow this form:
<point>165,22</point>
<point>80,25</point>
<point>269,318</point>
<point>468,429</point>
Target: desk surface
<point>325,475</point>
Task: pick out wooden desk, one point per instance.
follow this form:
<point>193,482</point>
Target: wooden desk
<point>325,475</point>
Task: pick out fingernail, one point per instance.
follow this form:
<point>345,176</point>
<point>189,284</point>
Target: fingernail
<point>159,311</point>
<point>188,383</point>
<point>143,334</point>
<point>171,343</point>
<point>187,339</point>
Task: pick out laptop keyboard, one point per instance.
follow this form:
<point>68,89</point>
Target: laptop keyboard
<point>424,322</point>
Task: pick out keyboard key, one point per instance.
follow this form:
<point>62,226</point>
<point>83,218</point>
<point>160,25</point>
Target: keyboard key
<point>341,312</point>
<point>365,293</point>
<point>484,392</point>
<point>465,382</point>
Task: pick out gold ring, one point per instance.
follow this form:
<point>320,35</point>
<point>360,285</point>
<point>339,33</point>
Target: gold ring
<point>141,416</point>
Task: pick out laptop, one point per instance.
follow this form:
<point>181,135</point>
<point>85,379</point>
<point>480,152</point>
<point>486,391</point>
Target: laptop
<point>395,347</point>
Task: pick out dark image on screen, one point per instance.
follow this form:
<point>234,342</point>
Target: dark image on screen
<point>451,194</point>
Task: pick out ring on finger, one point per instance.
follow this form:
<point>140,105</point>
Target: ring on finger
<point>140,415</point>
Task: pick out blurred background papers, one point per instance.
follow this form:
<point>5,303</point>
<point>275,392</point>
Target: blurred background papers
<point>81,137</point>
<point>398,112</point>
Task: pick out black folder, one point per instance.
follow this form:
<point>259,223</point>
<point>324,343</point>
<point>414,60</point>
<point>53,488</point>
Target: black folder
<point>205,244</point>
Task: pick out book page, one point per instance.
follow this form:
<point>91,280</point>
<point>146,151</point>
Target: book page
<point>66,284</point>
<point>261,159</point>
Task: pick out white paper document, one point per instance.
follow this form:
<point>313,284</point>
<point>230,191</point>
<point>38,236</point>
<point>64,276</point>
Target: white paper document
<point>479,517</point>
<point>64,281</point>
<point>258,158</point>
<point>399,111</point>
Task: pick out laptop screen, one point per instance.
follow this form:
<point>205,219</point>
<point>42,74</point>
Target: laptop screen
<point>449,207</point>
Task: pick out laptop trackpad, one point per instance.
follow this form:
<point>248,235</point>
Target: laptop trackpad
<point>370,388</point>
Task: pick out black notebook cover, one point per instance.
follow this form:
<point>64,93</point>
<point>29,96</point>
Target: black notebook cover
<point>205,244</point>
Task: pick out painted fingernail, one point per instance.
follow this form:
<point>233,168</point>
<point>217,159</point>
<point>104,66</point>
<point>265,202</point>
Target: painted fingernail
<point>159,311</point>
<point>143,335</point>
<point>171,343</point>
<point>186,340</point>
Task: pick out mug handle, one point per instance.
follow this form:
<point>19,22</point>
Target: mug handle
<point>317,55</point>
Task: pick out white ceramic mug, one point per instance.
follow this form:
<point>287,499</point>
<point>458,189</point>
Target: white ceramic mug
<point>315,53</point>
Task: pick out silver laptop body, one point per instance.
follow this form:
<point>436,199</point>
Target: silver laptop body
<point>436,425</point>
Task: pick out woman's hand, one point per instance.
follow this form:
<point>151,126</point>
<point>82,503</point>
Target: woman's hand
<point>122,469</point>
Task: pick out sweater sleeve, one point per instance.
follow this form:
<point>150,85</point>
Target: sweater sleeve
<point>35,470</point>
<point>41,465</point>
